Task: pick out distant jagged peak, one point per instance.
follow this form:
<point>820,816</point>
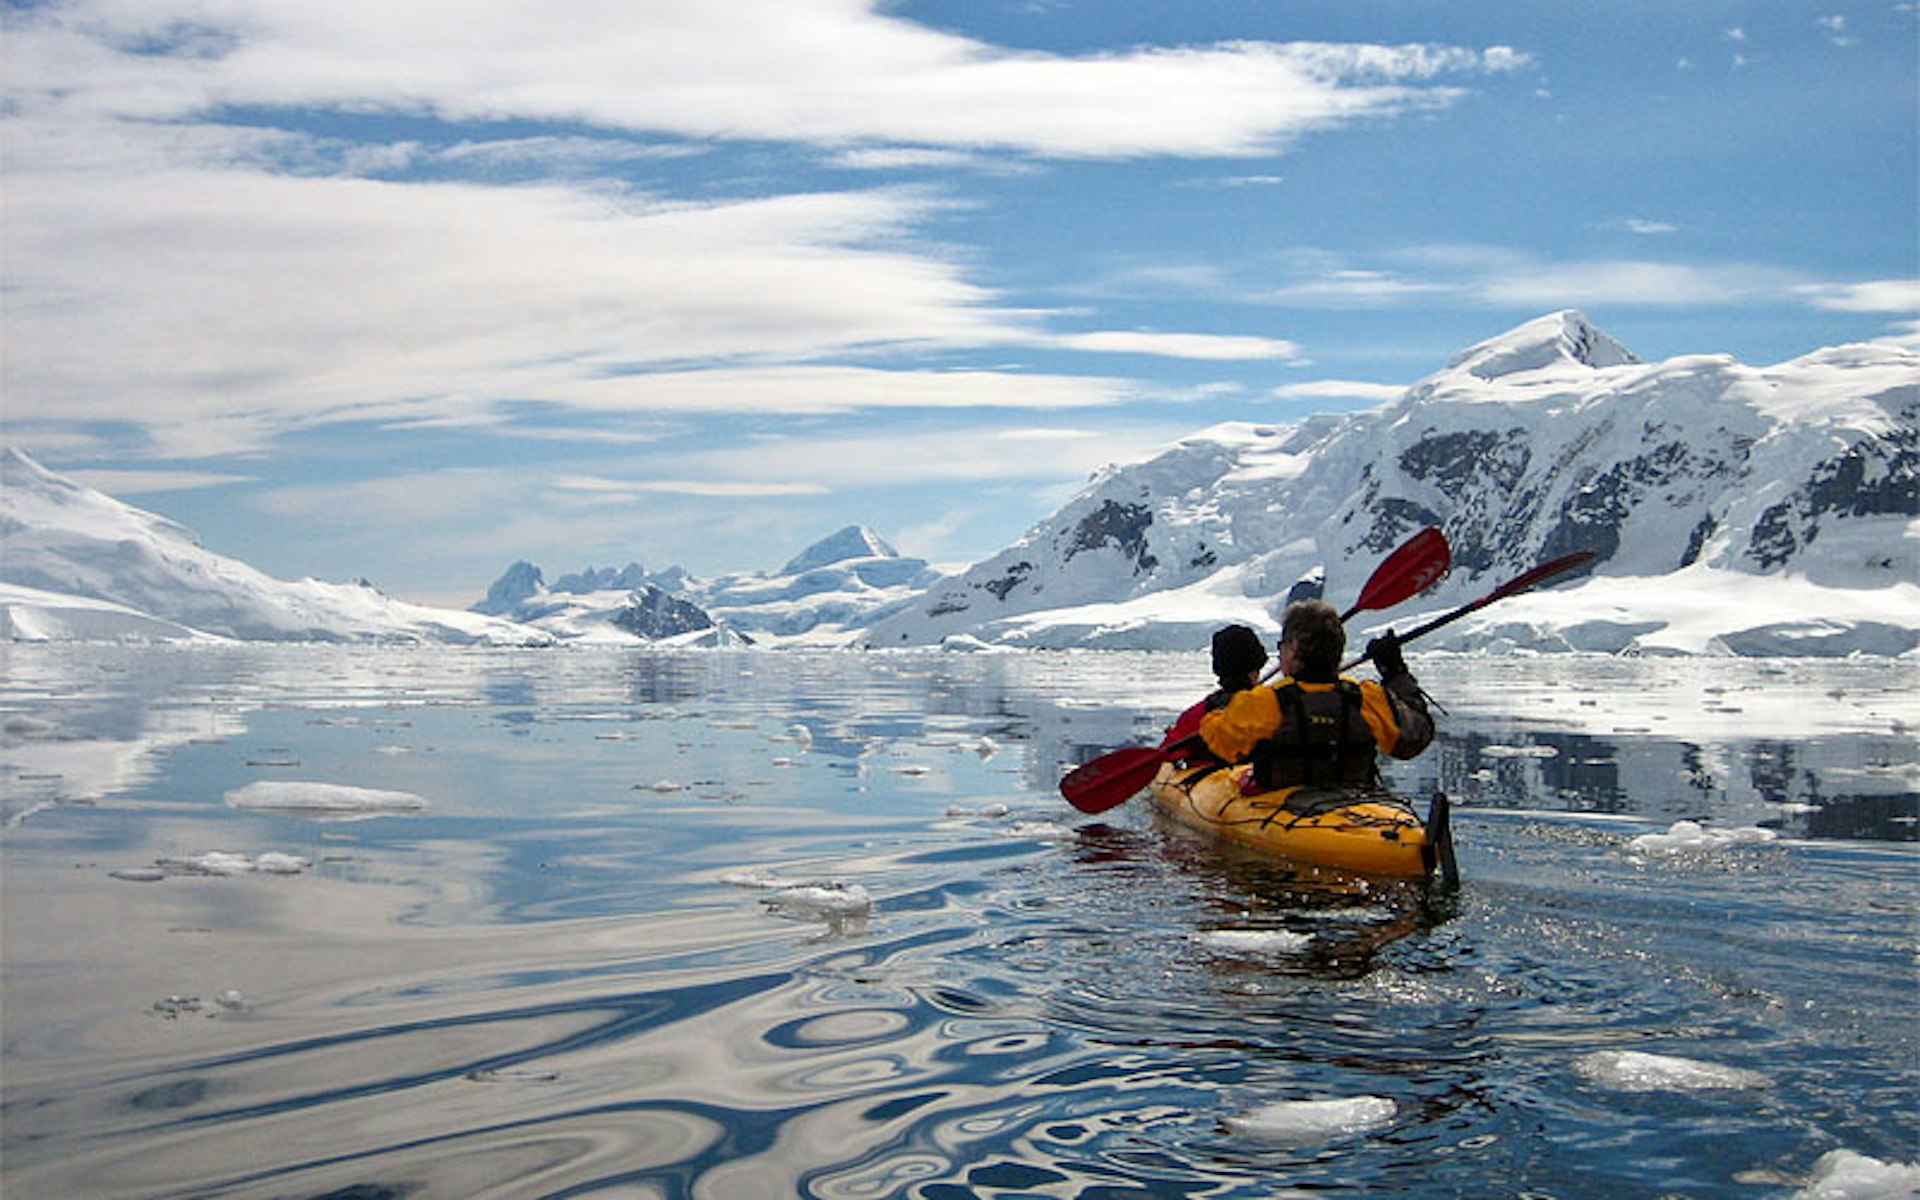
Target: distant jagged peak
<point>1564,338</point>
<point>854,541</point>
<point>522,581</point>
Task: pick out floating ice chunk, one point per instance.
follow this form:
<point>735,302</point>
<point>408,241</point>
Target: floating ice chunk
<point>1639,1071</point>
<point>322,801</point>
<point>1039,831</point>
<point>1519,752</point>
<point>213,862</point>
<point>139,874</point>
<point>842,908</point>
<point>757,880</point>
<point>1845,1175</point>
<point>990,811</point>
<point>1307,1122</point>
<point>226,863</point>
<point>1691,837</point>
<point>1255,941</point>
<point>19,725</point>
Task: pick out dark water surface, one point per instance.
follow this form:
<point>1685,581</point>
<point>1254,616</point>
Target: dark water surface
<point>739,925</point>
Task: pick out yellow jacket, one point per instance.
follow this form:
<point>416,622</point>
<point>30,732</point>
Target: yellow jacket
<point>1398,720</point>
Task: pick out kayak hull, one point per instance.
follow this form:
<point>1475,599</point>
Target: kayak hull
<point>1370,833</point>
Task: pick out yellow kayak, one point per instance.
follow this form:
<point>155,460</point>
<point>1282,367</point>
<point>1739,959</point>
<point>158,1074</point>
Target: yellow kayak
<point>1372,833</point>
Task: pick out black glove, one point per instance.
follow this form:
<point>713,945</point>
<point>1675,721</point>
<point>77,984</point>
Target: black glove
<point>1387,659</point>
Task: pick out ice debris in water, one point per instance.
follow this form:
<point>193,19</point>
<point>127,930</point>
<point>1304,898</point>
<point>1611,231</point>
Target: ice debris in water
<point>843,906</point>
<point>826,901</point>
<point>1639,1071</point>
<point>1846,1175</point>
<point>175,1007</point>
<point>1498,751</point>
<point>328,801</point>
<point>1255,941</point>
<point>989,811</point>
<point>222,862</point>
<point>1691,837</point>
<point>1038,831</point>
<point>1307,1122</point>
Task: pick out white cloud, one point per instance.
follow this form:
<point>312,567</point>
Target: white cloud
<point>120,483</point>
<point>930,455</point>
<point>1182,345</point>
<point>1642,225</point>
<point>1835,27</point>
<point>218,284</point>
<point>1339,389</point>
<point>1545,285</point>
<point>825,71</point>
<point>1879,295</point>
<point>600,490</point>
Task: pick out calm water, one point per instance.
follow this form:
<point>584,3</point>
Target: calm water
<point>742,925</point>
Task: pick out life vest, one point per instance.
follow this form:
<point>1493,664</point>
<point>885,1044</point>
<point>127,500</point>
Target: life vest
<point>1323,740</point>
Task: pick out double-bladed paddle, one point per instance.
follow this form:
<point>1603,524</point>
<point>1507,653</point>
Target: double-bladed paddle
<point>1111,779</point>
<point>1550,569</point>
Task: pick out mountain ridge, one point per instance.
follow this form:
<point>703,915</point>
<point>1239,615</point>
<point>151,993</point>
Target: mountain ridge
<point>1734,510</point>
<point>1544,440</point>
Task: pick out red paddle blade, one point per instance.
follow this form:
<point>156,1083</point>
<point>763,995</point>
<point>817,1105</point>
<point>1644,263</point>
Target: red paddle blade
<point>1112,779</point>
<point>1408,571</point>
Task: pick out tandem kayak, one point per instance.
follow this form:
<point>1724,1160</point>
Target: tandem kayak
<point>1367,832</point>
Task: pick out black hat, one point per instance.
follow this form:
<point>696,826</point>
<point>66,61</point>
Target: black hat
<point>1237,652</point>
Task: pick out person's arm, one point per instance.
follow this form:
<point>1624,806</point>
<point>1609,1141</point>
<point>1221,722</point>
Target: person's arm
<point>1395,708</point>
<point>1250,718</point>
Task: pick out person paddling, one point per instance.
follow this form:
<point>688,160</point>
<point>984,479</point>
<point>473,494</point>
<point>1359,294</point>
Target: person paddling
<point>1238,658</point>
<point>1313,727</point>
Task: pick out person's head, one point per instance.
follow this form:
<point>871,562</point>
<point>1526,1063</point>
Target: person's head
<point>1312,641</point>
<point>1237,656</point>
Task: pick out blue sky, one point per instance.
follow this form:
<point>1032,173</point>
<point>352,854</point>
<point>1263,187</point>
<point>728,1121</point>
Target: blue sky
<point>411,291</point>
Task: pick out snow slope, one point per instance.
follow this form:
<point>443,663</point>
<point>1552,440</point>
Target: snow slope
<point>76,564</point>
<point>1733,509</point>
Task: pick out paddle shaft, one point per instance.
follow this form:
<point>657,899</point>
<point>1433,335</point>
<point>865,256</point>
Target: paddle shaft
<point>1513,587</point>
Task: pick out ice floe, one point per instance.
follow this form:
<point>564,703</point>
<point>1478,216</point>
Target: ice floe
<point>224,862</point>
<point>1307,1122</point>
<point>1640,1071</point>
<point>842,907</point>
<point>1846,1175</point>
<point>992,812</point>
<point>1691,837</point>
<point>1039,831</point>
<point>322,801</point>
<point>1519,751</point>
<point>1255,941</point>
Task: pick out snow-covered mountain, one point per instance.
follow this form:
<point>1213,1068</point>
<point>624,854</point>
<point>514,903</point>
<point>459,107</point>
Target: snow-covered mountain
<point>76,564</point>
<point>826,595</point>
<point>1733,508</point>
